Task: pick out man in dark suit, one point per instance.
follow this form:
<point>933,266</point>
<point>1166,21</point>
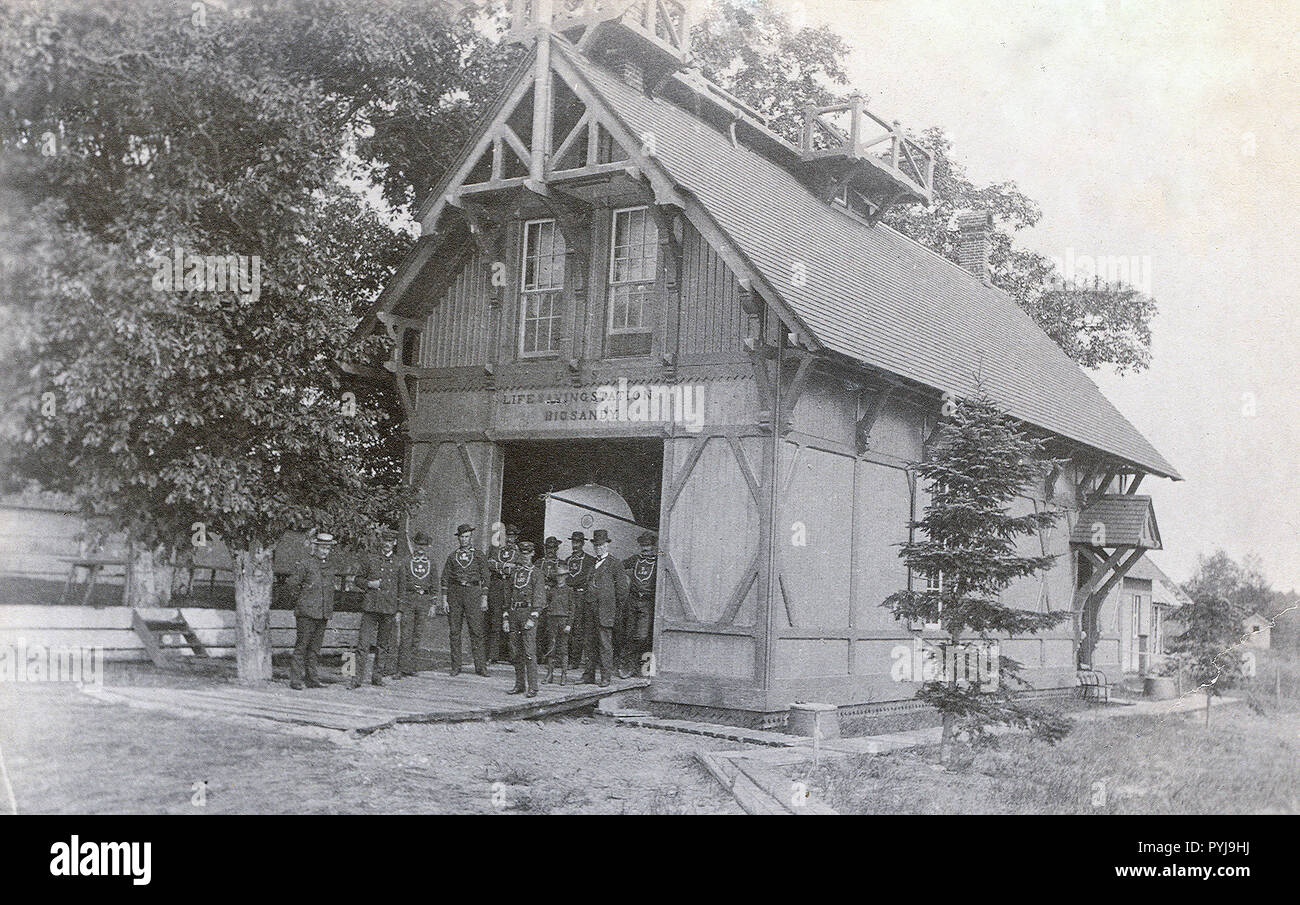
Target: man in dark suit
<point>501,563</point>
<point>525,604</point>
<point>380,577</point>
<point>605,597</point>
<point>464,598</point>
<point>639,614</point>
<point>563,621</point>
<point>577,568</point>
<point>312,587</point>
<point>419,584</point>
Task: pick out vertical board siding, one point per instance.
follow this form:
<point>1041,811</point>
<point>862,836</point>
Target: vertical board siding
<point>457,331</point>
<point>712,320</point>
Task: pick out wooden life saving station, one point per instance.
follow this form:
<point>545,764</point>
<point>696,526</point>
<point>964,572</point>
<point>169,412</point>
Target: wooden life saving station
<point>619,225</point>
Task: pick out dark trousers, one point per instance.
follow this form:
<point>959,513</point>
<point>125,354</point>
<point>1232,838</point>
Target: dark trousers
<point>557,650</point>
<point>414,626</point>
<point>523,650</point>
<point>640,621</point>
<point>463,606</point>
<point>306,648</point>
<point>377,631</point>
<point>497,647</point>
<point>578,637</point>
<point>597,647</point>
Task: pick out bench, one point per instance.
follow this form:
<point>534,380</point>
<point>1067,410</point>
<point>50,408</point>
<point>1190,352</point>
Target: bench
<point>1093,685</point>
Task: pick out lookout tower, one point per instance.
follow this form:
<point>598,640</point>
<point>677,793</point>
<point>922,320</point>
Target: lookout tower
<point>852,156</point>
<point>654,36</point>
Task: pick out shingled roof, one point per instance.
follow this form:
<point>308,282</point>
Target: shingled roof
<point>1125,520</point>
<point>871,293</point>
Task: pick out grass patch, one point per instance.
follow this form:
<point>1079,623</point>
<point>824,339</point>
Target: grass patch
<point>1246,762</point>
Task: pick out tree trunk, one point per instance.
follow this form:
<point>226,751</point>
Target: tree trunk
<point>945,740</point>
<point>1208,698</point>
<point>149,579</point>
<point>253,579</point>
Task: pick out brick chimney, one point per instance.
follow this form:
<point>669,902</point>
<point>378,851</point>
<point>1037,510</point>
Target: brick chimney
<point>975,242</point>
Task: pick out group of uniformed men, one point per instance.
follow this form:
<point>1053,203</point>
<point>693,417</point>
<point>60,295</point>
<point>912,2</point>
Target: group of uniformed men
<point>591,608</point>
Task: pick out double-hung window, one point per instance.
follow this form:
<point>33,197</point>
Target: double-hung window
<point>633,268</point>
<point>541,290</point>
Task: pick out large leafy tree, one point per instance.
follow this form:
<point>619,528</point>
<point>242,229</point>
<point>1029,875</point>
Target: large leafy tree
<point>753,50</point>
<point>978,466</point>
<point>1241,584</point>
<point>178,409</point>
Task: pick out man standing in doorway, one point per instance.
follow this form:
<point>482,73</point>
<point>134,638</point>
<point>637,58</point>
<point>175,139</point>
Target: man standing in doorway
<point>606,594</point>
<point>464,598</point>
<point>381,579</point>
<point>577,572</point>
<point>550,566</point>
<point>501,563</point>
<point>641,570</point>
<point>524,608</point>
<point>312,587</point>
<point>419,579</point>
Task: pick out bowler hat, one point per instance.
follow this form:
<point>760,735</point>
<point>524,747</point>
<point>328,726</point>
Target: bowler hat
<point>421,539</point>
<point>579,537</point>
<point>646,538</point>
<point>464,528</point>
<point>600,536</point>
<point>552,542</point>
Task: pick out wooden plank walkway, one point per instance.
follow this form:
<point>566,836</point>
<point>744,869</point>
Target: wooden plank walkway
<point>431,697</point>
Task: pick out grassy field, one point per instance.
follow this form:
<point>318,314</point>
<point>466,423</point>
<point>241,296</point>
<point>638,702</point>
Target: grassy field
<point>1246,762</point>
<point>67,753</point>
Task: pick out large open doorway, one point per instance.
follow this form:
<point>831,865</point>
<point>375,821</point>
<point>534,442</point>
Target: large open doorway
<point>631,468</point>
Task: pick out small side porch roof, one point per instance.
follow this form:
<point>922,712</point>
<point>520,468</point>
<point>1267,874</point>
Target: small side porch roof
<point>1118,520</point>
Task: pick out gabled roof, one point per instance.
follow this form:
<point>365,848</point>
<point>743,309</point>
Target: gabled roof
<point>1127,520</point>
<point>871,293</point>
<point>1145,568</point>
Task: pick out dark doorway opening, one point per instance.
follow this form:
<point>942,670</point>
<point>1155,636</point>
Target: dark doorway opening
<point>632,468</point>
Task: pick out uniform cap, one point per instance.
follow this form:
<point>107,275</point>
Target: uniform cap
<point>646,537</point>
<point>552,542</point>
<point>324,538</point>
<point>464,528</point>
<point>421,539</point>
<point>578,536</point>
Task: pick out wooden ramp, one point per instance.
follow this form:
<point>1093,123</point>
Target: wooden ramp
<point>431,697</point>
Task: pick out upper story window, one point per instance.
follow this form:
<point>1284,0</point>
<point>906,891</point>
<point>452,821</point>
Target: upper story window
<point>542,283</point>
<point>633,269</point>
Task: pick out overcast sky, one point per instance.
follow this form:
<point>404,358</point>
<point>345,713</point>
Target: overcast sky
<point>1142,128</point>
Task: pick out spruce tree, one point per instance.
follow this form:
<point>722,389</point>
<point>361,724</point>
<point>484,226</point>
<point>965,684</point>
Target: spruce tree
<point>980,463</point>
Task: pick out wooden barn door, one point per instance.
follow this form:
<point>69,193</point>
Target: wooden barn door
<point>712,534</point>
